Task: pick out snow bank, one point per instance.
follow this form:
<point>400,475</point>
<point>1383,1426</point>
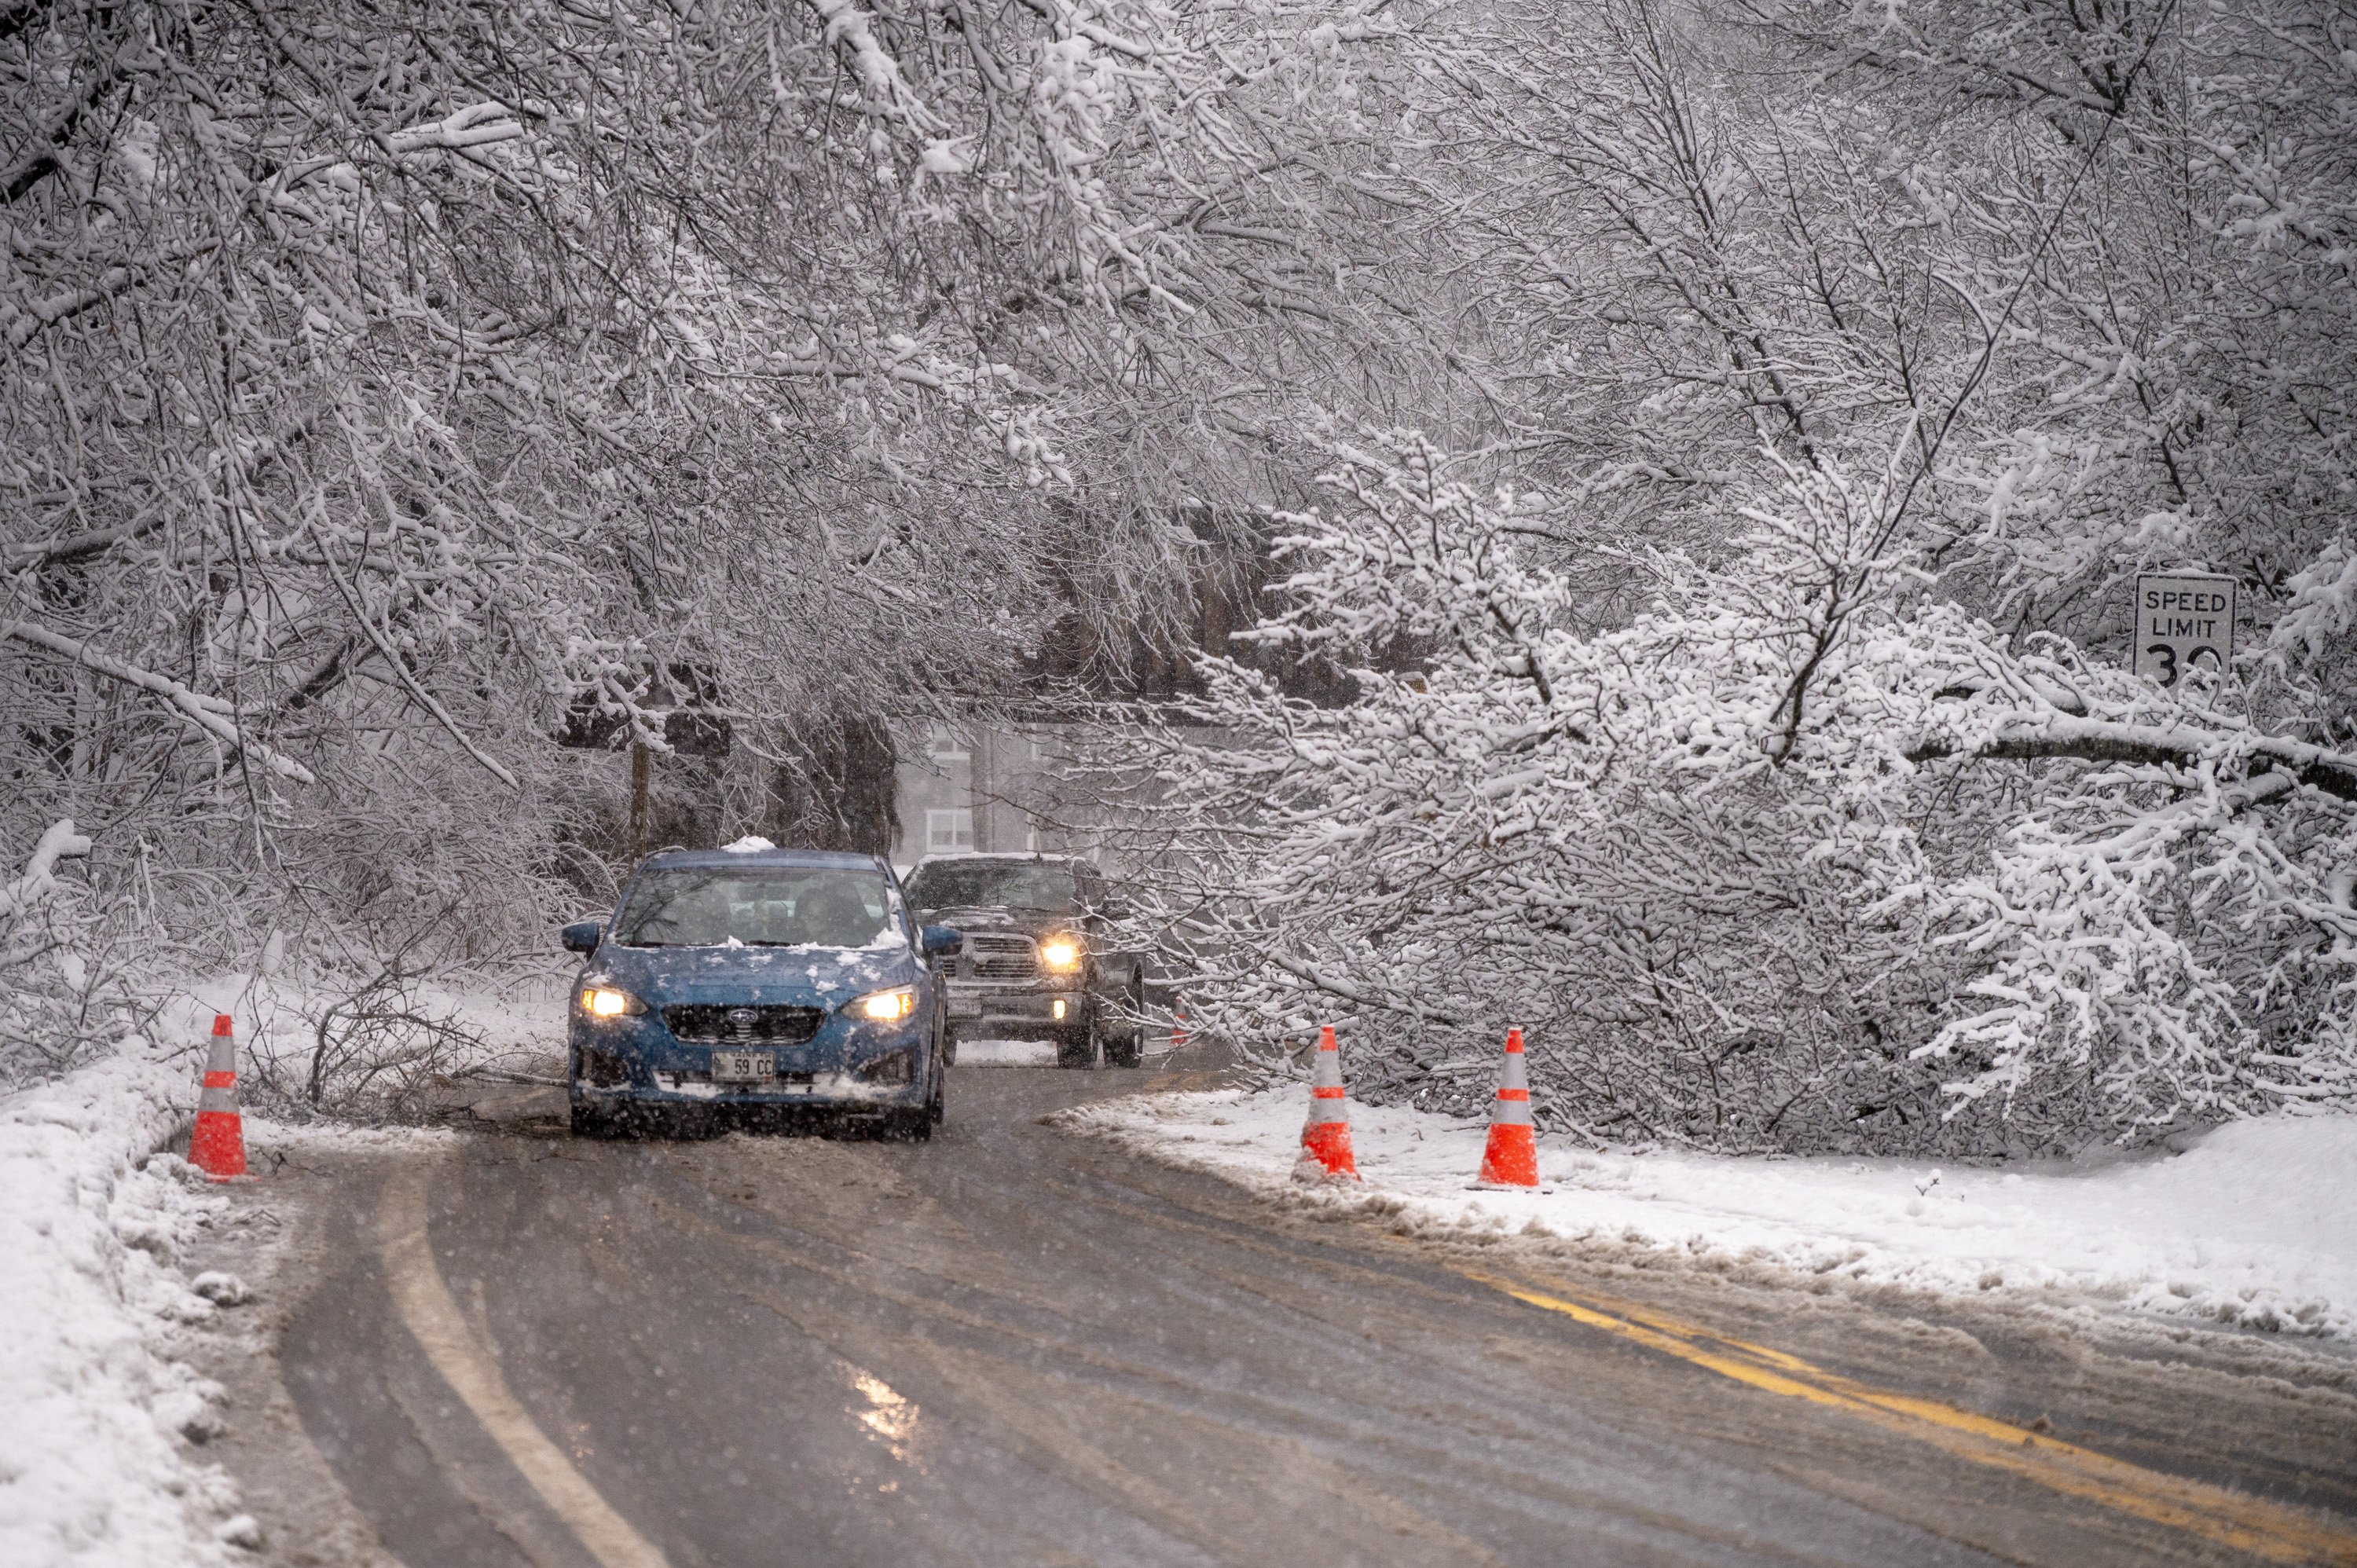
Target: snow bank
<point>93,1468</point>
<point>265,1135</point>
<point>97,1467</point>
<point>2252,1225</point>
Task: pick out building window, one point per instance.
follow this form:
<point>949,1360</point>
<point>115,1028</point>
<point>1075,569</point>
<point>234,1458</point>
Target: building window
<point>947,745</point>
<point>947,831</point>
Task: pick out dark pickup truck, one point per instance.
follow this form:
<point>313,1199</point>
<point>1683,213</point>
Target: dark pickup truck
<point>1037,962</point>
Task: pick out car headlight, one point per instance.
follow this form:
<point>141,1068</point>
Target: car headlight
<point>1062,954</point>
<point>886,1007</point>
<point>605,1002</point>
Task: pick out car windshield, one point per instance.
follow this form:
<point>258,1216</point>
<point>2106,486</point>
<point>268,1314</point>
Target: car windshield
<point>1014,883</point>
<point>702,906</point>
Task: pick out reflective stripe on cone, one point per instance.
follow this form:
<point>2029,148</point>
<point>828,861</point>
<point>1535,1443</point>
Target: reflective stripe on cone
<point>217,1147</point>
<point>1326,1136</point>
<point>1511,1158</point>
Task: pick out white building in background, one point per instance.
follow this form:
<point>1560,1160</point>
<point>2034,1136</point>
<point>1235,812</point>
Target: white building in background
<point>984,789</point>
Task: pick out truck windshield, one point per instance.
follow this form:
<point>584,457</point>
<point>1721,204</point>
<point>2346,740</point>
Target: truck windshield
<point>777,906</point>
<point>1012,884</point>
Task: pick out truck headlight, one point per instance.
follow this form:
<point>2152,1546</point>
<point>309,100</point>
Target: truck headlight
<point>605,1002</point>
<point>886,1007</point>
<point>1061,954</point>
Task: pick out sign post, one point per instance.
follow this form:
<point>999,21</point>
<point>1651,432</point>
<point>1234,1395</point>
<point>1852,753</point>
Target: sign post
<point>2182,617</point>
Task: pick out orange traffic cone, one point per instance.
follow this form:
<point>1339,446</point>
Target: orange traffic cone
<point>217,1145</point>
<point>1326,1137</point>
<point>1178,1023</point>
<point>1511,1158</point>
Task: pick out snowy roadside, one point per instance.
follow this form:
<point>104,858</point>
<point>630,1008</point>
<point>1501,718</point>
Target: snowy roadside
<point>101,1462</point>
<point>95,1463</point>
<point>2250,1226</point>
<point>515,1028</point>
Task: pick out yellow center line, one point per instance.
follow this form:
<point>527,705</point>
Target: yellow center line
<point>432,1318</point>
<point>2272,1530</point>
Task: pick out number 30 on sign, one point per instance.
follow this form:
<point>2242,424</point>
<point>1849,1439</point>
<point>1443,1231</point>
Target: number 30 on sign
<point>2182,620</point>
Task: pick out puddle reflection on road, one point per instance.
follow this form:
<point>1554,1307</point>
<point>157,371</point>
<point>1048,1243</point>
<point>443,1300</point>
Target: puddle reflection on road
<point>891,1417</point>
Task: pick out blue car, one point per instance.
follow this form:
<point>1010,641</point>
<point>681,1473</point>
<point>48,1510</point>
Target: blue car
<point>795,982</point>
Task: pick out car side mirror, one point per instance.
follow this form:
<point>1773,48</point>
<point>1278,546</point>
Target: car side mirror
<point>581,935</point>
<point>935,940</point>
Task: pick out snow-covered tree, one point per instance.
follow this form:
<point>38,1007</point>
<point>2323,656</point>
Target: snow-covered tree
<point>1851,361</point>
<point>1804,854</point>
<point>381,386</point>
<point>2090,267</point>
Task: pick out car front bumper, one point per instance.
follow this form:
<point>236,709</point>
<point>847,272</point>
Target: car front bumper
<point>980,1009</point>
<point>637,1060</point>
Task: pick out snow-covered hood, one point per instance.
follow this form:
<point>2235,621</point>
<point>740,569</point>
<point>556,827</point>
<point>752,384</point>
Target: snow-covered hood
<point>807,976</point>
<point>994,918</point>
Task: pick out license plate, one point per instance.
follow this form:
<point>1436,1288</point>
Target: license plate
<point>964,1006</point>
<point>744,1067</point>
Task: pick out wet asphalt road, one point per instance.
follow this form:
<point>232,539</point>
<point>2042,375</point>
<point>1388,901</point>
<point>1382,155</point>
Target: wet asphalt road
<point>1014,1345</point>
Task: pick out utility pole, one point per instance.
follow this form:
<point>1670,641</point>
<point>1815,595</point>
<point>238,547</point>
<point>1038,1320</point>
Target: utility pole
<point>641,766</point>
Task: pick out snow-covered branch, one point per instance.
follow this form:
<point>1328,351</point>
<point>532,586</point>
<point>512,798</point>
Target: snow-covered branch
<point>60,841</point>
<point>211,714</point>
<point>2094,740</point>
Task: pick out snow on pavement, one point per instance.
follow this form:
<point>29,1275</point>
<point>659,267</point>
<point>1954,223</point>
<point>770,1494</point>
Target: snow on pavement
<point>94,1464</point>
<point>2251,1226</point>
<point>1035,1053</point>
<point>1007,1053</point>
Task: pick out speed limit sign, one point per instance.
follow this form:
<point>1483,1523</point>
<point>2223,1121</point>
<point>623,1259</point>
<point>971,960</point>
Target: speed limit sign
<point>2182,621</point>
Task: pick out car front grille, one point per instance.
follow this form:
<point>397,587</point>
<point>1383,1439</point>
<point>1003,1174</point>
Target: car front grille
<point>717,1024</point>
<point>995,957</point>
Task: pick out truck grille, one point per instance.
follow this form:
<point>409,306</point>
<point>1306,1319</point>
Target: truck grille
<point>709,1023</point>
<point>1001,956</point>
